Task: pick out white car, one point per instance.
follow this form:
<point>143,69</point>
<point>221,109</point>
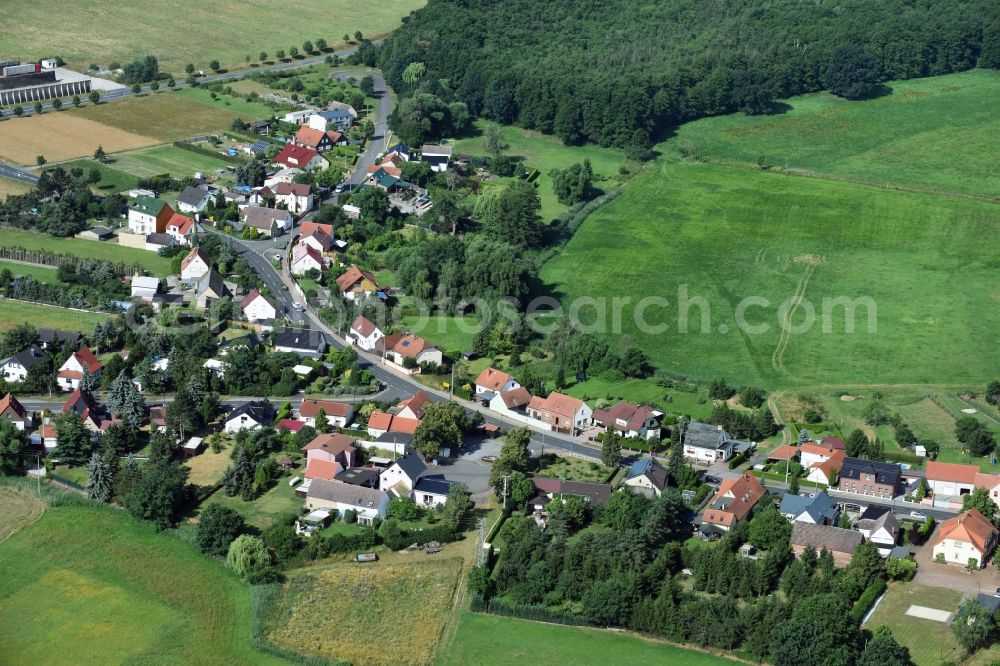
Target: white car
<point>298,307</point>
<point>918,515</point>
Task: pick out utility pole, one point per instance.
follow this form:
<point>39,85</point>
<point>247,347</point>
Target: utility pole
<point>505,480</point>
<point>451,385</point>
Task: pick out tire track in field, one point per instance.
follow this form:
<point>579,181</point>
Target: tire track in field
<point>778,356</point>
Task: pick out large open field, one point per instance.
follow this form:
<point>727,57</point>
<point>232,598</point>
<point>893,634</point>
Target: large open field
<point>938,133</point>
<point>186,30</point>
<point>489,640</point>
<point>13,313</point>
<point>323,610</point>
<point>40,273</point>
<point>165,159</point>
<point>19,509</point>
<point>66,135</point>
<point>110,251</point>
<point>86,584</point>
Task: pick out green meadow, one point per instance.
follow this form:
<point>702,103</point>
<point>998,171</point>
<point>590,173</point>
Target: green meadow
<point>106,250</point>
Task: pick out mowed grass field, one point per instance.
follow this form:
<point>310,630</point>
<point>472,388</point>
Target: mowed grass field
<point>940,133</point>
<point>112,180</point>
<point>86,584</point>
<point>19,509</point>
<point>544,152</point>
<point>13,313</point>
<point>186,30</point>
<point>101,250</point>
<point>449,334</point>
<point>489,640</point>
<point>324,611</point>
<point>40,273</point>
<point>165,159</point>
<point>66,135</point>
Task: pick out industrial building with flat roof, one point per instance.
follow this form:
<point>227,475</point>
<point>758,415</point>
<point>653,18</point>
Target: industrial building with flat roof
<point>22,83</point>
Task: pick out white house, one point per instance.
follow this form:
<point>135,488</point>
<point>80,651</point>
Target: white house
<point>338,414</point>
<point>180,228</point>
<point>296,197</point>
<point>560,412</point>
<point>397,348</point>
<point>267,221</point>
<point>365,334</point>
<point>193,200</point>
<point>144,287</point>
<point>298,157</point>
<point>195,265</point>
<point>15,369</point>
<point>646,477</point>
<point>147,215</point>
<point>491,381</point>
<point>966,537</point>
<point>628,420</point>
<point>298,117</point>
<point>257,307</point>
<point>401,477</point>
<point>437,156</point>
<point>706,443</point>
<point>305,258</point>
<point>878,524</point>
<point>249,416</point>
<point>281,176</point>
<point>431,491</point>
<point>71,372</point>
<point>368,503</point>
<point>512,403</point>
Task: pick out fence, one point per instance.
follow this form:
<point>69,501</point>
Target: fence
<point>47,258</point>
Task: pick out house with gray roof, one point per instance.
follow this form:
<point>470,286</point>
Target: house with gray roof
<point>401,476</point>
<point>818,508</point>
<point>646,477</point>
<point>341,497</point>
<point>879,526</point>
<point>838,542</point>
<point>707,443</point>
<point>431,491</point>
<point>211,287</point>
<point>15,369</point>
<point>301,341</point>
<point>193,200</point>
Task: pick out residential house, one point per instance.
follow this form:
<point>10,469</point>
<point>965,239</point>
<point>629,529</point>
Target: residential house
<point>15,369</point>
<point>414,406</point>
<point>269,222</point>
<point>55,339</point>
<point>250,416</point>
<point>193,200</point>
<point>90,412</point>
<point>301,341</point>
<point>628,420</point>
<point>783,454</point>
<point>401,477</point>
<point>147,215</point>
<point>297,197</point>
<point>339,116</point>
<point>338,414</point>
<point>180,228</point>
<point>552,489</point>
<point>560,412</point>
<point>360,476</point>
<point>195,265</point>
<point>291,425</point>
<point>707,443</point>
<point>408,351</point>
<point>364,333</point>
<point>320,140</point>
<point>402,150</point>
<point>255,148</point>
<point>308,227</point>
<point>437,156</point>
<point>298,157</point>
<point>318,468</point>
<point>732,503</point>
<point>818,508</point>
<point>950,480</point>
<point>144,287</point>
<point>513,403</point>
<point>46,436</point>
<point>367,503</point>
<point>71,372</point>
<point>298,116</point>
<point>280,176</point>
<point>156,241</point>
<point>211,287</point>
<point>647,477</point>
<point>834,443</point>
<point>868,477</point>
<point>355,283</point>
<point>257,307</point>
<point>840,543</point>
<point>384,423</point>
<point>13,411</point>
<point>821,462</point>
<point>431,491</point>
<point>966,537</point>
<point>317,240</point>
<point>878,524</point>
<point>305,258</point>
<point>492,381</point>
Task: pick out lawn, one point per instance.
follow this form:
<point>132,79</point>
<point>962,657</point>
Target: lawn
<point>9,186</point>
<point>323,610</point>
<point>707,237</point>
<point>112,179</point>
<point>186,30</point>
<point>106,250</point>
<point>449,334</point>
<point>166,159</point>
<point>262,512</point>
<point>68,135</point>
<point>19,509</point>
<point>938,133</point>
<point>207,467</point>
<point>126,594</point>
<point>929,642</point>
<point>489,640</point>
<point>228,103</point>
<point>544,152</point>
<point>575,469</point>
<point>13,313</point>
<point>40,273</point>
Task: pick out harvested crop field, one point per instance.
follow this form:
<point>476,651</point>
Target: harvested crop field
<point>19,509</point>
<point>63,136</point>
<point>9,186</point>
<point>322,610</point>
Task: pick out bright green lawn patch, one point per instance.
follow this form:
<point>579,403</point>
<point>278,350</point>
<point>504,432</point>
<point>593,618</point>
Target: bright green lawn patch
<point>449,334</point>
<point>575,469</point>
<point>246,110</point>
<point>262,512</point>
<point>197,32</point>
<point>929,642</point>
<point>544,152</point>
<point>106,250</point>
<point>40,273</point>
<point>112,179</point>
<point>939,133</point>
<point>126,594</point>
<point>725,234</point>
<point>13,313</point>
<point>490,640</point>
<point>166,159</point>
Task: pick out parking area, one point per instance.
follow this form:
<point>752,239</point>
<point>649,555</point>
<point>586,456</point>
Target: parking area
<point>953,576</point>
<point>469,468</point>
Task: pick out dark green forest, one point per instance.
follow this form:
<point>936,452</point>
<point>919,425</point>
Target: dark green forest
<point>621,73</point>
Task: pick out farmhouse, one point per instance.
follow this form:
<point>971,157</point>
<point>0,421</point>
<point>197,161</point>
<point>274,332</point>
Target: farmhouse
<point>297,198</point>
<point>840,543</point>
<point>147,215</point>
<point>269,222</point>
<point>211,287</point>
<point>195,265</point>
<point>90,412</point>
<point>249,416</point>
<point>408,351</point>
<point>401,477</point>
<point>338,414</point>
<point>343,497</point>
<point>491,381</point>
<point>707,443</point>
<point>628,420</point>
<point>355,283</point>
<point>305,258</point>
<point>257,307</point>
<point>13,411</point>
<point>560,412</point>
<point>733,502</point>
<point>966,537</point>
<point>298,157</point>
<point>867,477</point>
<point>301,341</point>
<point>193,199</point>
<point>364,333</point>
<point>71,372</point>
<point>15,368</point>
<point>319,468</point>
<point>646,477</point>
<point>948,480</point>
<point>437,156</point>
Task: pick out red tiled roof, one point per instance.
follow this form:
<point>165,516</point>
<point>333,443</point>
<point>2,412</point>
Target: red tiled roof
<point>970,527</point>
<point>352,276</point>
<point>364,327</point>
<point>317,468</point>
<point>834,442</point>
<point>417,403</point>
<point>941,471</point>
<point>515,398</point>
<point>492,379</point>
<point>379,420</point>
<point>745,491</point>
<point>307,228</point>
<point>182,222</point>
<point>86,357</point>
<point>321,237</point>
<point>295,156</point>
<point>310,408</point>
<point>560,404</point>
<point>332,443</point>
<point>10,402</point>
<point>298,189</point>
<point>303,250</point>
<point>192,255</point>
<point>291,425</point>
<point>783,453</point>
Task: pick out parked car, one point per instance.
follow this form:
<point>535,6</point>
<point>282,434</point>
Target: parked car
<point>918,515</point>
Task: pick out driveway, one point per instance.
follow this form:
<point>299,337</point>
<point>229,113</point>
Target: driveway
<point>953,576</point>
<point>379,141</point>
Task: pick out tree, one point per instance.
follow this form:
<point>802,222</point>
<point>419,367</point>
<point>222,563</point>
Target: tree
<point>438,429</point>
<point>866,565</point>
<point>414,72</point>
<point>793,485</point>
<point>262,56</point>
<point>972,625</point>
<point>13,443</point>
<point>515,456</point>
<point>883,650</point>
<point>119,438</point>
<point>280,54</point>
<point>820,632</point>
<point>611,451</point>
<point>40,159</point>
<point>993,389</point>
<point>189,68</point>
<point>159,493</point>
<point>18,110</point>
<point>322,423</point>
<point>136,88</point>
<point>495,144</point>
<point>719,389</point>
<point>218,526</point>
<point>251,173</point>
<point>214,66</point>
<point>635,363</point>
<point>171,83</point>
<point>101,476</point>
<point>307,46</point>
<point>321,44</point>
<point>124,400</point>
<point>769,530</point>
<point>100,155</point>
<point>73,443</point>
<point>358,36</point>
<point>249,559</point>
<point>458,504</point>
<point>57,104</point>
<point>513,216</point>
<point>574,183</point>
<point>852,73</point>
<point>980,500</point>
<point>293,52</point>
<point>94,97</point>
<point>974,434</point>
<point>154,86</point>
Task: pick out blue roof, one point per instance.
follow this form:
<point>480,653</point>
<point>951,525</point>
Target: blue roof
<point>818,507</point>
<point>638,468</point>
<point>437,485</point>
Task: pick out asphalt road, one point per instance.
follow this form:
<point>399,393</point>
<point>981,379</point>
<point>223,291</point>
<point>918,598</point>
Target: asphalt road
<point>7,171</point>
<point>380,138</point>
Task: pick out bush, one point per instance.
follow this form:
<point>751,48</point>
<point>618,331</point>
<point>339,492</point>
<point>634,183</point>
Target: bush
<point>867,598</point>
<point>901,568</point>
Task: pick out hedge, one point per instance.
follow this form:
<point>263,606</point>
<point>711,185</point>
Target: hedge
<point>190,147</point>
<point>867,598</point>
<point>500,606</point>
